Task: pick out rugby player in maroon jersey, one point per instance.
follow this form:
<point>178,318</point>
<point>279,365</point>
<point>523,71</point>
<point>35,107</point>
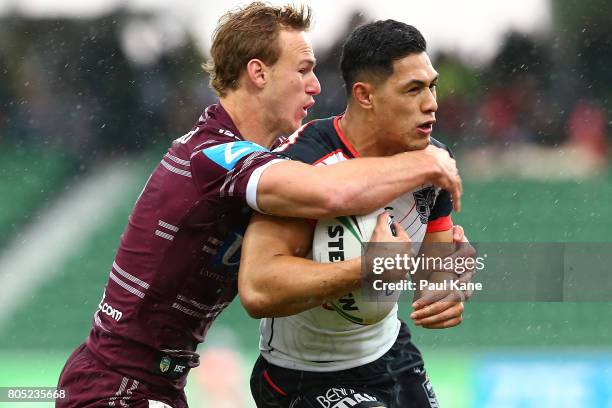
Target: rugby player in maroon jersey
<point>176,266</point>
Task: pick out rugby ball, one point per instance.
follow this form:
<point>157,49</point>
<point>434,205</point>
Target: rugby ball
<point>342,238</point>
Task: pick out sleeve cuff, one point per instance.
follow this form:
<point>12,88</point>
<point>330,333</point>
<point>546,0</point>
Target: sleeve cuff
<point>440,224</point>
<point>251,190</point>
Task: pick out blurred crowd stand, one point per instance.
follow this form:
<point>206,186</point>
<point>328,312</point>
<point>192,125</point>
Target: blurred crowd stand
<point>535,110</point>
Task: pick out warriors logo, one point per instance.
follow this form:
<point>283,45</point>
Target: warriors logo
<point>424,200</point>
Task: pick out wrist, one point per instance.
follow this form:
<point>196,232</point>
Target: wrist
<point>352,268</point>
<point>421,165</point>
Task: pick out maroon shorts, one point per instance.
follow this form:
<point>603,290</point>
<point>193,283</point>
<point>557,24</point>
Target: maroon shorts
<point>91,384</point>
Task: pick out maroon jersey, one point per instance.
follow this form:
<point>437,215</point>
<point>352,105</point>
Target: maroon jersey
<point>177,263</point>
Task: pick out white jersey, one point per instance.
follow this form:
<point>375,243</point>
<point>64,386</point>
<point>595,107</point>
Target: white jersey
<point>320,339</point>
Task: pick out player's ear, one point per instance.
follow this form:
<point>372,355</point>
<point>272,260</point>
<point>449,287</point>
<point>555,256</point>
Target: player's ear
<point>257,73</point>
<point>362,94</point>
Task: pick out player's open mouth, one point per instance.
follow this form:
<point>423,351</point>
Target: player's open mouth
<point>426,127</point>
<point>306,107</point>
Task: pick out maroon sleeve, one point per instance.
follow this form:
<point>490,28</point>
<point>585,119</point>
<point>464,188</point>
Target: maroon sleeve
<point>230,168</point>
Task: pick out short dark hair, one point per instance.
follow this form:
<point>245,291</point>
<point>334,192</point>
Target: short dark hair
<point>371,49</point>
<point>250,32</point>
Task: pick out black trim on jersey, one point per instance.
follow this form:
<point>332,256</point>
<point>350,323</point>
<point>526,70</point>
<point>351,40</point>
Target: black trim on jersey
<point>319,138</point>
<point>316,141</point>
<point>271,336</point>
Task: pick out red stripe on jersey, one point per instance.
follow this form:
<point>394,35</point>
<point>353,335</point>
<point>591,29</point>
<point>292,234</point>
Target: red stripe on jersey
<point>343,138</point>
<point>440,224</point>
<point>284,146</point>
<point>329,155</point>
<point>276,388</point>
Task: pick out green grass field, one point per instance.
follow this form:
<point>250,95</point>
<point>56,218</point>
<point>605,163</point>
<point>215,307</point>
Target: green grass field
<point>56,317</point>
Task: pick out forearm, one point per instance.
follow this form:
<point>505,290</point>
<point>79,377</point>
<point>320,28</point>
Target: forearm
<point>351,187</point>
<point>435,247</point>
<point>285,285</point>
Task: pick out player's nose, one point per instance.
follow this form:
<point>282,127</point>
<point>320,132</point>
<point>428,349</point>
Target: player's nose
<point>313,87</point>
<point>430,104</point>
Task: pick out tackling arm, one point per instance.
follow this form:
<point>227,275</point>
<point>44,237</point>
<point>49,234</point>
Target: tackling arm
<point>357,186</point>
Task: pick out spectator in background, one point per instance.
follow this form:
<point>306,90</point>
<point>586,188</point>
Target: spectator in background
<point>586,130</point>
<point>458,91</point>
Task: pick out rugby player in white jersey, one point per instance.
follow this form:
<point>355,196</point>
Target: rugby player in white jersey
<point>307,358</point>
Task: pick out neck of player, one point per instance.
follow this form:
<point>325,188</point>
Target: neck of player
<point>363,133</point>
<point>248,117</point>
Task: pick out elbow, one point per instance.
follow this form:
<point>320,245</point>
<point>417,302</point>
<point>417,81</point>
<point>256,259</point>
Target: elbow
<point>254,303</point>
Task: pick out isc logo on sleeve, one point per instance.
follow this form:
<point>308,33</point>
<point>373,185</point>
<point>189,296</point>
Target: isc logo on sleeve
<point>227,155</point>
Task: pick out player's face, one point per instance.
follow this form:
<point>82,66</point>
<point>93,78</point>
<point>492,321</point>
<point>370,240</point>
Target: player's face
<point>293,83</point>
<point>406,105</point>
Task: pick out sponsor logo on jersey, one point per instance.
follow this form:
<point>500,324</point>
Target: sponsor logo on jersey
<point>227,155</point>
<point>108,310</point>
<point>164,364</point>
<point>431,395</point>
<point>228,254</point>
<point>343,397</point>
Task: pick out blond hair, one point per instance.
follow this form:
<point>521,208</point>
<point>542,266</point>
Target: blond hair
<point>247,33</point>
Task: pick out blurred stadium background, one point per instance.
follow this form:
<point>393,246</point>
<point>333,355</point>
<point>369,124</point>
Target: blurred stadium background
<point>90,96</point>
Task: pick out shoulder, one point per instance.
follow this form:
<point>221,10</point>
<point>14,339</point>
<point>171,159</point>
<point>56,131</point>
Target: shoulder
<point>310,143</point>
<point>437,143</point>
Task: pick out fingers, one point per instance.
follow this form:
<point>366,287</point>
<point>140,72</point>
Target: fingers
<point>388,231</point>
<point>444,311</point>
<point>446,324</point>
<point>382,221</point>
<point>401,233</point>
<point>458,233</point>
<point>448,178</point>
<point>464,278</point>
<point>456,191</point>
<point>444,301</point>
<point>382,232</point>
<point>464,250</point>
<point>428,298</point>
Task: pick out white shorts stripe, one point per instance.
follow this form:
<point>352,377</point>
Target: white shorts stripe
<point>188,311</point>
<point>130,277</point>
<point>158,404</point>
<point>126,286</point>
<point>164,235</point>
<point>111,400</point>
<point>200,305</point>
<point>168,226</point>
<point>209,250</point>
<point>214,241</point>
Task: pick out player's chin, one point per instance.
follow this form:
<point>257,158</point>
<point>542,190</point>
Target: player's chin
<point>296,122</point>
<point>419,142</point>
<point>292,127</point>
